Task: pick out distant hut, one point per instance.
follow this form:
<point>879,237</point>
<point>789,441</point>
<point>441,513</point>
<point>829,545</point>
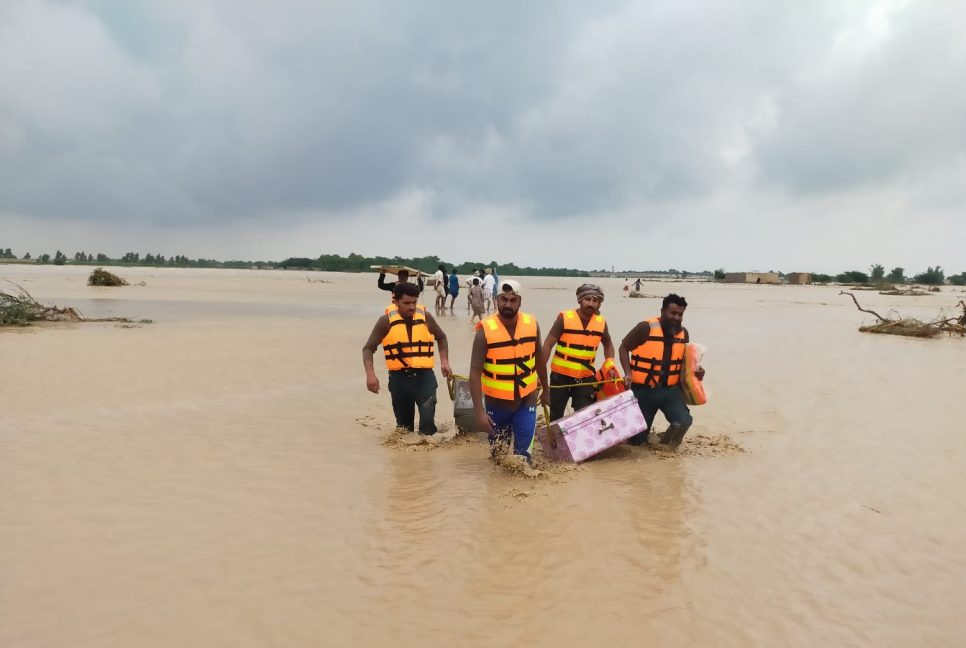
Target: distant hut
<point>799,278</point>
<point>752,277</point>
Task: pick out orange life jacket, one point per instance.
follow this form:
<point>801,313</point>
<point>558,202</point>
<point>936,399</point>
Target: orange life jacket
<point>611,386</point>
<point>403,352</point>
<point>577,346</point>
<point>693,388</point>
<point>509,369</point>
<point>649,367</point>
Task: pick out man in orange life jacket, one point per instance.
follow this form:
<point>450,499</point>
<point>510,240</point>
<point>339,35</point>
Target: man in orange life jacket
<point>506,362</point>
<point>407,335</point>
<point>577,334</point>
<point>652,355</point>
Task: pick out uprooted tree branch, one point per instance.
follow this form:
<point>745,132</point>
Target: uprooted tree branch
<point>19,308</point>
<point>911,327</point>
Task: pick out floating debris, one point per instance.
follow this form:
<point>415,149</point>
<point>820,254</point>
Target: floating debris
<point>911,327</point>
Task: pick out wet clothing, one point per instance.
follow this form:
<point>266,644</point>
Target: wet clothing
<point>564,388</point>
<point>454,285</point>
<point>411,390</point>
<point>476,300</point>
<point>518,425</point>
<point>668,400</point>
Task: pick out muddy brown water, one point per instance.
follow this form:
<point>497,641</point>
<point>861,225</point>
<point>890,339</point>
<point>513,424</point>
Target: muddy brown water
<point>219,478</point>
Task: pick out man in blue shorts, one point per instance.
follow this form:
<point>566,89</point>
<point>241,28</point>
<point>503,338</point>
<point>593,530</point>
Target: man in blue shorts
<point>506,364</point>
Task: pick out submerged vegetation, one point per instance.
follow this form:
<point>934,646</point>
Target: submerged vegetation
<point>19,308</point>
<point>101,277</point>
<point>912,327</point>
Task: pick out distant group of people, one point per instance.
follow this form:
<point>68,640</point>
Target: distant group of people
<point>509,361</point>
<point>480,289</point>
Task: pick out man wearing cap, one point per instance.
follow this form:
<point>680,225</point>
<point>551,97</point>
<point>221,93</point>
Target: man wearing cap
<point>407,334</point>
<point>652,355</point>
<point>506,363</point>
<point>577,333</point>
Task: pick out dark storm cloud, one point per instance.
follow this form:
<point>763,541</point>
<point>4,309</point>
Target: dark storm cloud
<point>212,111</point>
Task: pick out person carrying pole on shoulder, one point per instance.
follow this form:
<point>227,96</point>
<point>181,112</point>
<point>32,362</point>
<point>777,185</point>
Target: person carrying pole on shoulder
<point>403,274</point>
<point>577,333</point>
<point>506,364</point>
<point>652,355</point>
<point>407,335</point>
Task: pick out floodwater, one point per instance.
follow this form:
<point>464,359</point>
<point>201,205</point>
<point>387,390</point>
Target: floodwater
<point>218,478</point>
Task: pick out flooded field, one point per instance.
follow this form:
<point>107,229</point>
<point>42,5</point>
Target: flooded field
<point>220,477</point>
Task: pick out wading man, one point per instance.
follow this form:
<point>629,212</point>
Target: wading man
<point>652,355</point>
<point>407,335</point>
<point>577,333</point>
<point>506,363</point>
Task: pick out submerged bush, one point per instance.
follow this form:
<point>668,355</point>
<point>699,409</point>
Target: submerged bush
<point>101,277</point>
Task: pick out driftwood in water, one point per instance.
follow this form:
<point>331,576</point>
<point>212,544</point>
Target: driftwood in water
<point>911,327</point>
<point>19,308</point>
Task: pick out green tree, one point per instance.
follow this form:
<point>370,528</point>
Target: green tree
<point>60,258</point>
<point>877,273</point>
<point>853,276</point>
<point>897,275</point>
<point>932,276</point>
<point>958,280</point>
<point>45,258</point>
<point>818,277</point>
<point>26,256</point>
<point>719,274</point>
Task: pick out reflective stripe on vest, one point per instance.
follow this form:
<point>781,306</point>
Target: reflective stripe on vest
<point>648,360</point>
<point>577,346</point>
<point>403,352</point>
<point>509,369</point>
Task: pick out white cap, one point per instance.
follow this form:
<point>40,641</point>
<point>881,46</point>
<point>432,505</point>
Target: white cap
<point>511,286</point>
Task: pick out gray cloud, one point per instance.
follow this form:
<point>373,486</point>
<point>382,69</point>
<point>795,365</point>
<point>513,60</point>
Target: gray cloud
<point>213,112</point>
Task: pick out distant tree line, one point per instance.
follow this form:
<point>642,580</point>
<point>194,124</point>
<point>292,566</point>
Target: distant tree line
<point>933,276</point>
<point>133,258</point>
<point>428,264</point>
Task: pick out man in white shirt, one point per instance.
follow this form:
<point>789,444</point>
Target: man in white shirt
<point>488,283</point>
<point>440,279</point>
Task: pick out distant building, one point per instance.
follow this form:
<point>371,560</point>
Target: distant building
<point>799,277</point>
<point>752,277</point>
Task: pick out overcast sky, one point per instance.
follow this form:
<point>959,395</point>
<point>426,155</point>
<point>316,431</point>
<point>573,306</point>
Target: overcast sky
<point>822,135</point>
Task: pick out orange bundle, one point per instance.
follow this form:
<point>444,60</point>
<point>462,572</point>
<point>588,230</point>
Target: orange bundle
<point>611,377</point>
<point>694,393</point>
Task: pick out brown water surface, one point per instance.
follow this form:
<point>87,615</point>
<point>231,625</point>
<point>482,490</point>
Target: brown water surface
<point>217,478</point>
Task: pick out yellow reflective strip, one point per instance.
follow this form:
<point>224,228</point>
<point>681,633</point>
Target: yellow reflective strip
<point>577,353</point>
<point>496,384</point>
<point>557,362</point>
<point>499,369</point>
